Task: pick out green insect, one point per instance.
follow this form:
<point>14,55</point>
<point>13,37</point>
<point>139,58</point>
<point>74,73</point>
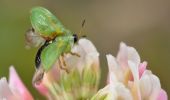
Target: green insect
<point>58,41</point>
<point>52,51</point>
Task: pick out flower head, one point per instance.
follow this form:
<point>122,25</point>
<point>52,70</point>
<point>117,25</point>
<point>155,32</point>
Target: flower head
<point>80,82</point>
<point>14,89</point>
<point>129,79</point>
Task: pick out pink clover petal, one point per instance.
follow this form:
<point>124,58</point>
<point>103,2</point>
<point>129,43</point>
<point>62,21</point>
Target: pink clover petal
<point>41,88</point>
<point>15,81</point>
<point>162,95</point>
<point>142,68</point>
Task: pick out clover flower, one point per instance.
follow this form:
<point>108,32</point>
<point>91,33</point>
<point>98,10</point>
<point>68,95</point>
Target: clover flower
<point>14,89</point>
<point>128,78</point>
<point>82,80</point>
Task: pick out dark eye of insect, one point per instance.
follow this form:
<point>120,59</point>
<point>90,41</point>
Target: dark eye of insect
<point>32,29</point>
<point>37,58</point>
<point>75,38</point>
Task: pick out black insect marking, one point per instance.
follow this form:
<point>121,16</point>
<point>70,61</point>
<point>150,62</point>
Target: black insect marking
<point>32,29</point>
<point>38,55</point>
<point>75,38</point>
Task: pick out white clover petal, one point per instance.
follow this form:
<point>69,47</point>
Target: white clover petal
<point>135,89</point>
<point>5,90</point>
<point>112,64</point>
<point>145,86</point>
<point>112,78</point>
<point>149,85</point>
<point>88,55</point>
<point>114,69</point>
<point>134,70</point>
<point>92,56</point>
<point>108,92</point>
<point>127,53</point>
<point>133,55</point>
<point>87,45</point>
<point>114,92</point>
<point>74,61</point>
<point>122,55</point>
<point>123,92</point>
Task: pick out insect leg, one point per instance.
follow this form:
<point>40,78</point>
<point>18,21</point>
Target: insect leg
<point>74,54</point>
<point>38,76</point>
<point>62,58</point>
<point>62,64</point>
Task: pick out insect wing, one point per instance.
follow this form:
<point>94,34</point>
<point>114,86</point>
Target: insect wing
<point>51,53</point>
<point>45,23</point>
<point>33,39</point>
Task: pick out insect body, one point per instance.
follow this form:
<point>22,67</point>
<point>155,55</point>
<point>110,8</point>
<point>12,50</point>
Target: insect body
<point>51,52</point>
<point>59,41</point>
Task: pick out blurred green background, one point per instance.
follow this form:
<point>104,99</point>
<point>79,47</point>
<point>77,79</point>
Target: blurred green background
<point>143,24</point>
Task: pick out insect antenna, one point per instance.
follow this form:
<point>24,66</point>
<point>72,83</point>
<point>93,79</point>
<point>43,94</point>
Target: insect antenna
<point>76,36</point>
<point>81,29</point>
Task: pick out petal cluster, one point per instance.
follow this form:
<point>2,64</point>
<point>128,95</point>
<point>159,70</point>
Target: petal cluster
<point>128,78</point>
<point>14,89</point>
<point>81,82</point>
